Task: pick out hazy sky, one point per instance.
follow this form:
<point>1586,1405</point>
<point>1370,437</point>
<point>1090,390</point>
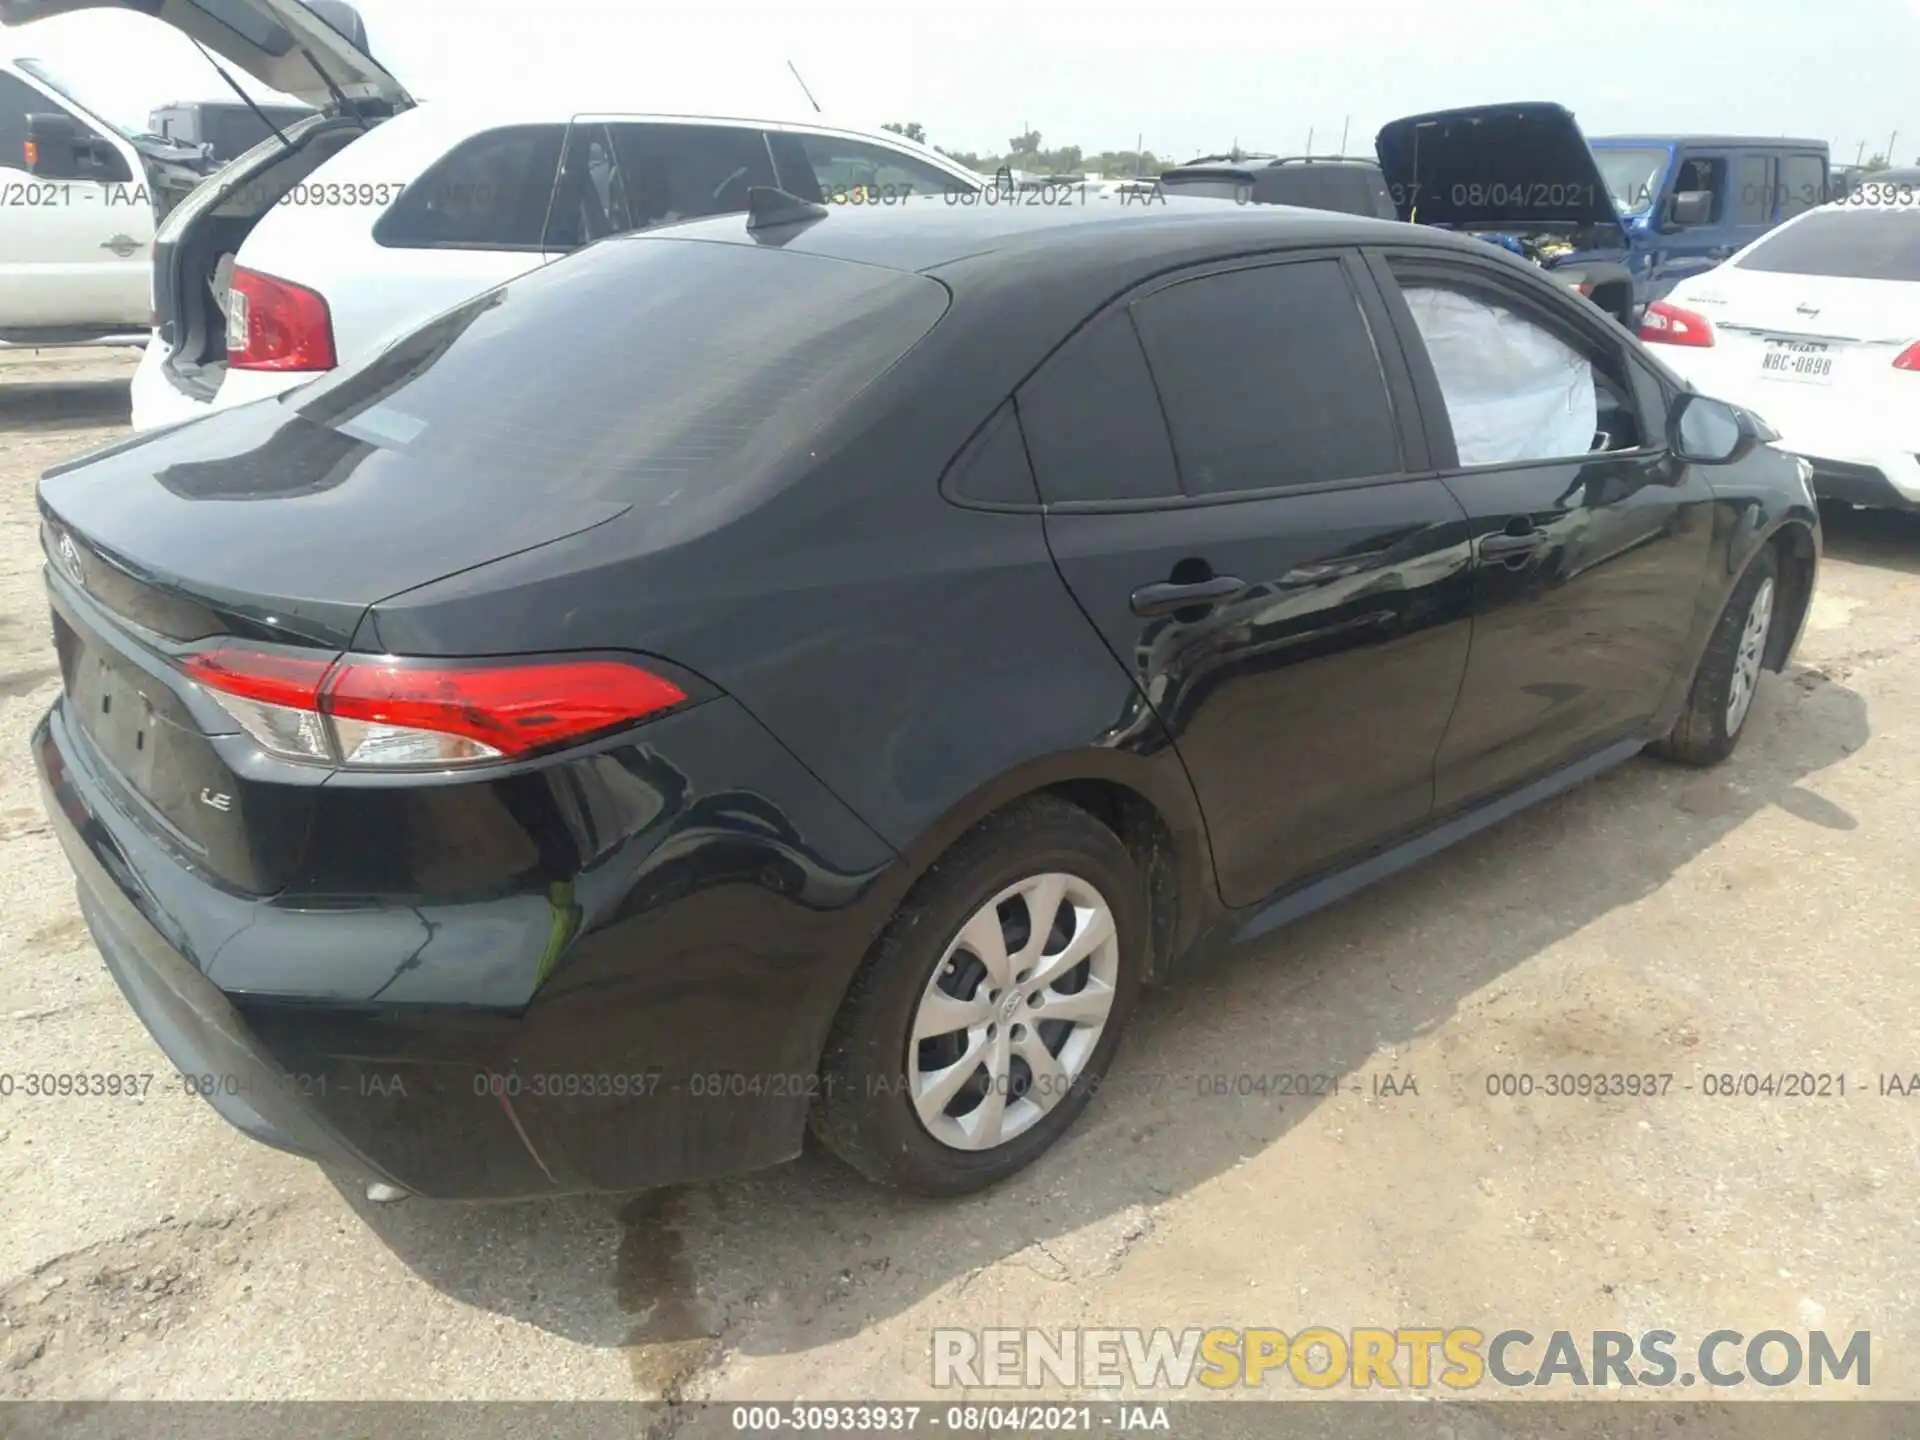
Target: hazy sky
<point>1191,77</point>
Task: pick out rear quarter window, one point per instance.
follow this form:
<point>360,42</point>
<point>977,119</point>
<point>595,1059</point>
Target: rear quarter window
<point>490,192</point>
<point>644,370</point>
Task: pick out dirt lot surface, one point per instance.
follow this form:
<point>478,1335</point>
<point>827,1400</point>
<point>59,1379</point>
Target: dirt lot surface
<point>1755,918</point>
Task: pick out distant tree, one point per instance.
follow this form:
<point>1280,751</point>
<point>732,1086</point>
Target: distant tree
<point>1027,153</point>
<point>1875,161</point>
<point>1122,163</point>
<point>912,130</point>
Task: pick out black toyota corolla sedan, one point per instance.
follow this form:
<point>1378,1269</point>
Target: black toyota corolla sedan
<point>798,669</point>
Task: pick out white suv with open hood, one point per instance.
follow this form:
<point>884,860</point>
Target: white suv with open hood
<point>354,225</point>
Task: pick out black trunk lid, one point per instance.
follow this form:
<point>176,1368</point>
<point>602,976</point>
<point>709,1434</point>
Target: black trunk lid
<point>253,523</point>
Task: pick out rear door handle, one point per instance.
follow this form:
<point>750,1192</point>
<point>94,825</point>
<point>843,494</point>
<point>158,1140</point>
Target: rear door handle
<point>1504,546</point>
<point>1167,597</point>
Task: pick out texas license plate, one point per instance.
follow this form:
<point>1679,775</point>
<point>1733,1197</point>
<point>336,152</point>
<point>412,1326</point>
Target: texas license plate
<point>1808,361</point>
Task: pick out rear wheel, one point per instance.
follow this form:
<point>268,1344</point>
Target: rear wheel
<point>1721,697</point>
<point>979,1027</point>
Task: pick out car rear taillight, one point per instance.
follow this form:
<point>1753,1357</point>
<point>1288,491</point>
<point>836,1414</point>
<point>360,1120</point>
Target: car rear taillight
<point>383,712</point>
<point>273,324</point>
<point>1909,358</point>
<point>1668,324</point>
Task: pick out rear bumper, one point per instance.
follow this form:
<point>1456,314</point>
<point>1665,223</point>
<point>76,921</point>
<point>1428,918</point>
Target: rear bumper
<point>1890,481</point>
<point>202,1034</point>
<point>130,340</point>
<point>675,1037</point>
<point>158,401</point>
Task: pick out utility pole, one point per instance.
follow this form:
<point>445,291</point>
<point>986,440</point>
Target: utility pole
<point>1309,140</point>
<point>1343,133</point>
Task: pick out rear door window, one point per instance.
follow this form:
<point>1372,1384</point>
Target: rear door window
<point>1753,195</point>
<point>491,192</point>
<point>837,170</point>
<point>1269,378</point>
<point>1848,244</point>
<point>1803,184</point>
<point>682,172</point>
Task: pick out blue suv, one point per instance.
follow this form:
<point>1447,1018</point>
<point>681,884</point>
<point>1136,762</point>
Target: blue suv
<point>1621,219</point>
<point>1690,201</point>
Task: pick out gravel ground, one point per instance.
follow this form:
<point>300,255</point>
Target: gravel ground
<point>1758,917</point>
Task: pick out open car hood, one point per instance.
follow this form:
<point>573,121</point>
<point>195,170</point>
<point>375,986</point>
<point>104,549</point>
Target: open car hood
<point>288,45</point>
<point>1522,166</point>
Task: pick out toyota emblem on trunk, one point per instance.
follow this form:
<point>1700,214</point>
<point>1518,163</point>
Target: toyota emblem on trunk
<point>70,560</point>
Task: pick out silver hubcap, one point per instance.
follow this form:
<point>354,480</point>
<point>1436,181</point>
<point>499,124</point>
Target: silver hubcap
<point>1013,1011</point>
<point>1746,661</point>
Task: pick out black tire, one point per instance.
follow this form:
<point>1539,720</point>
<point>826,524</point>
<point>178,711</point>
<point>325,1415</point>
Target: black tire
<point>863,1112</point>
<point>1701,736</point>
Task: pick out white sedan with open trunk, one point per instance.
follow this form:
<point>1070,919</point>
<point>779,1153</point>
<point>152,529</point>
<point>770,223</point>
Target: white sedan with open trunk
<point>349,228</point>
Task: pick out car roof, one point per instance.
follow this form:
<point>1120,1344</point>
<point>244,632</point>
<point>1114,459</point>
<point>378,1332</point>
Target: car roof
<point>1770,142</point>
<point>1249,164</point>
<point>471,113</point>
<point>925,234</point>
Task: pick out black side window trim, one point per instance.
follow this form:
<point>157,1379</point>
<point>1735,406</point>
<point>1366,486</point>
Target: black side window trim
<point>1537,300</point>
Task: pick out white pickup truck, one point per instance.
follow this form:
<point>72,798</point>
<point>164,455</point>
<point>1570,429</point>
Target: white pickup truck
<point>80,198</point>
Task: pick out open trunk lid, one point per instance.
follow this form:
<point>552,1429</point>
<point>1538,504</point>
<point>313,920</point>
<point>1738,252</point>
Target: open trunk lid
<point>305,48</point>
<point>1524,166</point>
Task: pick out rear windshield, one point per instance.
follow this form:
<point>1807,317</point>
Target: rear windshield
<point>1210,185</point>
<point>1849,243</point>
<point>632,369</point>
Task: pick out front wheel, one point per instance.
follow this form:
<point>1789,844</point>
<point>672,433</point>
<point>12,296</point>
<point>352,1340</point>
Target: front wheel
<point>1721,697</point>
<point>990,1008</point>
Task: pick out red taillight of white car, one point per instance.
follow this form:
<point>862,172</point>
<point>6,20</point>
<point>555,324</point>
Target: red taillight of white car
<point>381,712</point>
<point>1668,324</point>
<point>1909,358</point>
<point>274,324</point>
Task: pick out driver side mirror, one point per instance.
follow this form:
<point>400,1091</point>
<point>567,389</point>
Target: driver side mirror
<point>59,148</point>
<point>1705,431</point>
<point>1688,207</point>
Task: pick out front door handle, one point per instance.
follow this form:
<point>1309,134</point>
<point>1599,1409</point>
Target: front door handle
<point>1167,597</point>
<point>1504,546</point>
